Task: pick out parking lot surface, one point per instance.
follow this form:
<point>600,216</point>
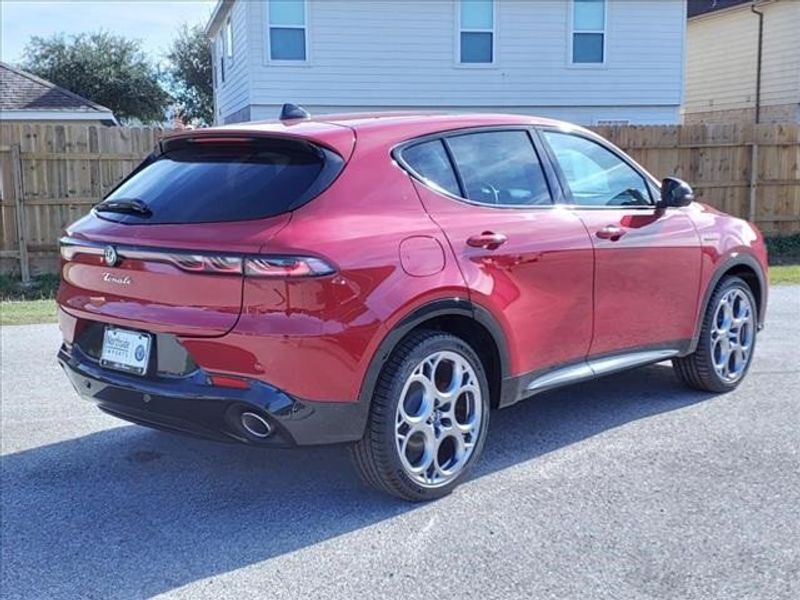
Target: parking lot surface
<point>630,486</point>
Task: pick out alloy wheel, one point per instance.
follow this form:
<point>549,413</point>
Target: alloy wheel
<point>732,334</point>
<point>439,419</point>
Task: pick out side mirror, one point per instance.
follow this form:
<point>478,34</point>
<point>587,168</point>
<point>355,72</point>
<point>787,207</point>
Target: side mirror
<point>675,193</point>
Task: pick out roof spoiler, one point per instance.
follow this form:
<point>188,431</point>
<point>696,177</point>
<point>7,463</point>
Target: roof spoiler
<point>293,111</point>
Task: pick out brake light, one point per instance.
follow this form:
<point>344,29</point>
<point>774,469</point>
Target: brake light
<point>286,266</point>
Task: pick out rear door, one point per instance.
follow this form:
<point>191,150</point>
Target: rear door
<point>165,250</point>
<point>523,258</point>
<point>647,260</point>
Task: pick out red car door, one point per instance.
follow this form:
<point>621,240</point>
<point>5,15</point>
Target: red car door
<point>647,260</point>
<point>525,259</point>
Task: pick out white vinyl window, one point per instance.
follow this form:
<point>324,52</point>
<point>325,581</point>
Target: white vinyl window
<point>229,39</point>
<point>476,32</point>
<point>288,37</point>
<point>221,55</point>
<point>588,31</point>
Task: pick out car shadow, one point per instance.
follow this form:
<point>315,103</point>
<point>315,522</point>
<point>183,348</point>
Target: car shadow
<point>131,512</point>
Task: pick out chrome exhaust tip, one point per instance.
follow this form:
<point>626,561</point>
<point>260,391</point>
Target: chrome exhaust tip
<point>255,425</point>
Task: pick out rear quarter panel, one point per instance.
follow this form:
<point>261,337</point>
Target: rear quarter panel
<point>315,338</point>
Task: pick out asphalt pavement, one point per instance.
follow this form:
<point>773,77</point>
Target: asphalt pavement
<point>630,486</point>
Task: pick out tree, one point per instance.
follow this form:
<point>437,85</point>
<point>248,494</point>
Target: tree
<point>190,75</point>
<point>107,69</point>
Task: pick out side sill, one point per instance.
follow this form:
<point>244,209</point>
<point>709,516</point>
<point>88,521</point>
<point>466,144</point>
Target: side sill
<point>591,368</point>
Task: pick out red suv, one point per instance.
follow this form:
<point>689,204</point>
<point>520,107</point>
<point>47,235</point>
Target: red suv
<point>386,280</point>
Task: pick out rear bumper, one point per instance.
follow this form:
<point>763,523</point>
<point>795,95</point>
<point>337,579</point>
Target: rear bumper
<point>191,405</point>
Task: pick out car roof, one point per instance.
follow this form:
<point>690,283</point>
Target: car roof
<point>339,131</point>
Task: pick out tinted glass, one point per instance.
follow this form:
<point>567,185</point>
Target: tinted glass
<point>476,14</point>
<point>429,160</point>
<point>220,183</point>
<point>500,168</point>
<point>287,44</point>
<point>596,176</point>
<point>476,47</point>
<point>587,48</point>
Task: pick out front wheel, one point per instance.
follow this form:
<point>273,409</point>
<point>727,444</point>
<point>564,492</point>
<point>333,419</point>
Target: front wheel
<point>727,340</point>
<point>428,418</point>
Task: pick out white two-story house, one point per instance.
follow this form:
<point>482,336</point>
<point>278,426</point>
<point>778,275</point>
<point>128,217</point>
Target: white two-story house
<point>587,61</point>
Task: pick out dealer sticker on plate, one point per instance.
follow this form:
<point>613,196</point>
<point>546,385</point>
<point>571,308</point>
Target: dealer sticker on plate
<point>125,350</point>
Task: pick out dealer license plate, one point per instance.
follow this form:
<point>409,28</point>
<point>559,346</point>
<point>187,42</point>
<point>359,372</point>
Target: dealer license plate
<point>125,350</point>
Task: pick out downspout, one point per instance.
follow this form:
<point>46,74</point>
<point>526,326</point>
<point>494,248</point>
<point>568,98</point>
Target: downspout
<point>753,212</point>
<point>758,59</point>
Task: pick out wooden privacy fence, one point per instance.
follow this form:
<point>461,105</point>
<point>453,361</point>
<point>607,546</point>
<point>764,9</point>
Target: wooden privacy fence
<point>52,174</point>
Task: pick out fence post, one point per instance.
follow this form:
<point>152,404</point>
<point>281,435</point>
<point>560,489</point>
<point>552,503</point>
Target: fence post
<point>753,181</point>
<point>19,209</point>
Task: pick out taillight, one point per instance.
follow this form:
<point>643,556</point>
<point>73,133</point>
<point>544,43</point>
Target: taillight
<point>286,266</point>
<point>219,264</point>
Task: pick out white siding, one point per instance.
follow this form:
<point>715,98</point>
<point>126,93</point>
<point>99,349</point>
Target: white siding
<point>234,93</point>
<point>395,54</point>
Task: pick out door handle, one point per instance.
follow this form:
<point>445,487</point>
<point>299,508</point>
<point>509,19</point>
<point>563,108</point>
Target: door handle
<point>488,240</point>
<point>610,232</point>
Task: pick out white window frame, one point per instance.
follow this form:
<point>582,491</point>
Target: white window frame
<point>267,37</point>
<point>573,31</point>
<point>221,56</point>
<point>229,38</point>
<point>459,30</point>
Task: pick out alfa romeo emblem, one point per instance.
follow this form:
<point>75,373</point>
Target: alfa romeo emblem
<point>110,256</point>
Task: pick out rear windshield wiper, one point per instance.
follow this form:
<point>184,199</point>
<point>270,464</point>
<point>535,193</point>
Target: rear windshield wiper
<point>131,206</point>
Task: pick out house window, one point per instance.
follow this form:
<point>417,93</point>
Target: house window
<point>229,40</point>
<point>221,54</point>
<point>476,35</point>
<point>287,29</point>
<point>588,31</point>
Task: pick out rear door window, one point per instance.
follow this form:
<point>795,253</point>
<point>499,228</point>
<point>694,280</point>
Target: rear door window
<point>204,182</point>
<point>429,160</point>
<point>500,168</point>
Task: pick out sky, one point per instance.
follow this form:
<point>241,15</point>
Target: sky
<point>152,21</point>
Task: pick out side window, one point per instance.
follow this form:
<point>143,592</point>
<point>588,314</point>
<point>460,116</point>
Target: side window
<point>500,167</point>
<point>595,175</point>
<point>429,160</point>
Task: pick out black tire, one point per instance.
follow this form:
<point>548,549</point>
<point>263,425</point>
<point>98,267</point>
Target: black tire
<point>376,455</point>
<point>697,369</point>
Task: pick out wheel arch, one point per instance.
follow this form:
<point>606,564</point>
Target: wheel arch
<point>749,269</point>
<point>461,317</point>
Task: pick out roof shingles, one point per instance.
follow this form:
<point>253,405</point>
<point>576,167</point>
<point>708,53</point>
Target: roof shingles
<point>23,91</point>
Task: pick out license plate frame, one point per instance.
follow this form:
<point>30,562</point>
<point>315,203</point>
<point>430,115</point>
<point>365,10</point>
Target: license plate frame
<point>126,350</point>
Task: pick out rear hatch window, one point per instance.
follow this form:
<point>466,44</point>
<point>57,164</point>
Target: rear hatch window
<point>206,180</point>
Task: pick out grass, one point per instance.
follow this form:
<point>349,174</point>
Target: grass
<point>25,312</point>
<point>20,305</point>
<point>35,303</point>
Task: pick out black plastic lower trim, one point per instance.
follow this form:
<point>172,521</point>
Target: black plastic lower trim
<point>191,405</point>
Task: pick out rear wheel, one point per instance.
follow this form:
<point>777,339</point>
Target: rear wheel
<point>727,340</point>
<point>428,418</point>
